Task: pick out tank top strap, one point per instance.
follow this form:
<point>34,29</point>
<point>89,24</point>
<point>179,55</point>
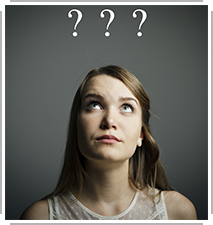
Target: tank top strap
<point>164,205</point>
<point>51,206</point>
<point>53,211</point>
<point>161,212</point>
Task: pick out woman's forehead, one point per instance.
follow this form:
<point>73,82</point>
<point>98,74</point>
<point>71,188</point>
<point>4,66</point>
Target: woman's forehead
<point>105,84</point>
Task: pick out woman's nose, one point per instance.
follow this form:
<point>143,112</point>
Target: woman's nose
<point>109,121</point>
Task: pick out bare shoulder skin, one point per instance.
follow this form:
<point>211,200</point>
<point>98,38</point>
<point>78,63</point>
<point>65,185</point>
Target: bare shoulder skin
<point>37,211</point>
<point>179,207</point>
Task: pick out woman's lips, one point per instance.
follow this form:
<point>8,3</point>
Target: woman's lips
<point>108,139</point>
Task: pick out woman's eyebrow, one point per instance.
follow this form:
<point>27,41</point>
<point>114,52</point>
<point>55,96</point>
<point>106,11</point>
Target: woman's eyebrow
<point>128,99</point>
<point>98,96</point>
<point>93,95</point>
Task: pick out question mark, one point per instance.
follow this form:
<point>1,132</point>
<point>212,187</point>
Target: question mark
<point>78,20</point>
<point>142,20</point>
<point>112,16</point>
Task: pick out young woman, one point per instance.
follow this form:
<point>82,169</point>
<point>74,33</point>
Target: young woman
<point>111,166</point>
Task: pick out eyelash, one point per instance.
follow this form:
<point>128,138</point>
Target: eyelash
<point>93,102</point>
<point>96,102</point>
<point>130,106</point>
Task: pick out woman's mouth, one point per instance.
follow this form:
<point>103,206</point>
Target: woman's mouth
<point>108,139</point>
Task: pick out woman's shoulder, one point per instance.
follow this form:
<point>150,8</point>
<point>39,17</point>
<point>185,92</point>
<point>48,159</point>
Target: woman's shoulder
<point>179,207</point>
<point>36,211</point>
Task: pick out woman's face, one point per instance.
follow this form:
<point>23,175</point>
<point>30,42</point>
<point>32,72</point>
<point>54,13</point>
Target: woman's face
<point>109,125</point>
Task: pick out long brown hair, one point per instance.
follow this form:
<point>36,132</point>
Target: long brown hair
<point>145,168</point>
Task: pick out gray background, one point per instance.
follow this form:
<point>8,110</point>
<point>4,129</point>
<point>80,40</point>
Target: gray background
<point>45,65</point>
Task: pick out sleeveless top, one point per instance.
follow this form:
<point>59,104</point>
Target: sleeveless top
<point>67,207</point>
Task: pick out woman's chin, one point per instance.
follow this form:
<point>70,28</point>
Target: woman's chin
<point>104,157</point>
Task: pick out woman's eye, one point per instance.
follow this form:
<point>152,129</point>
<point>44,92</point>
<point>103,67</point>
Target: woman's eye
<point>94,105</point>
<point>127,108</point>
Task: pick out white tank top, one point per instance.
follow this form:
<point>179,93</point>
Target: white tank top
<point>67,207</point>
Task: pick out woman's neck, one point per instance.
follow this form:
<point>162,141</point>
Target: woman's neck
<point>108,190</point>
